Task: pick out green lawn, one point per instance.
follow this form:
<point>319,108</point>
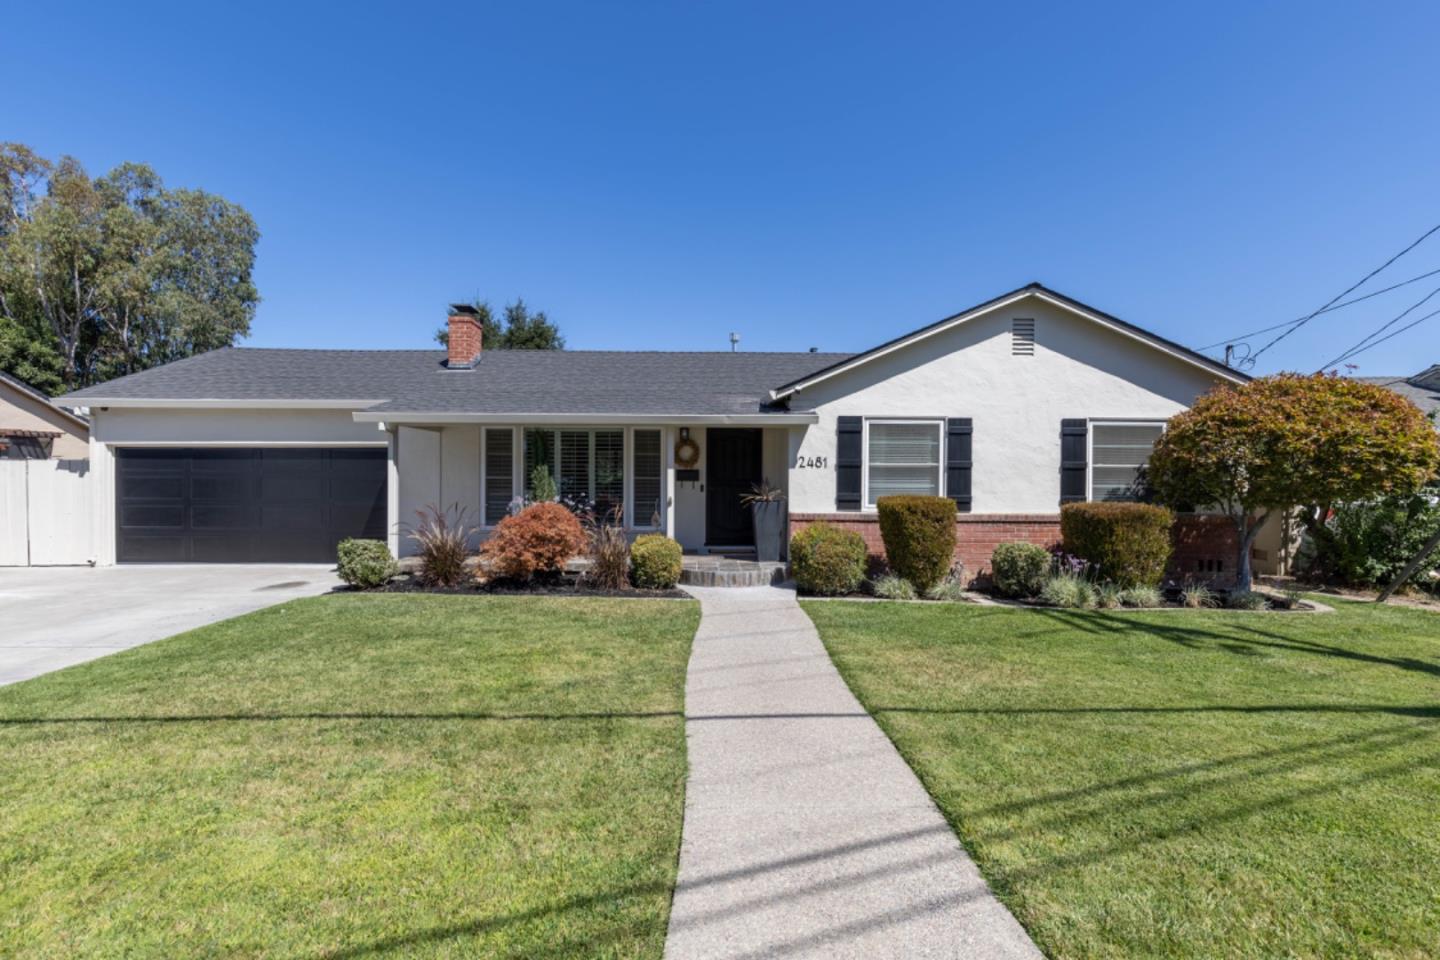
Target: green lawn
<point>354,776</point>
<point>1175,784</point>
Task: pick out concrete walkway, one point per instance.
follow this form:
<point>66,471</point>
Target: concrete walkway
<point>806,834</point>
<point>56,617</point>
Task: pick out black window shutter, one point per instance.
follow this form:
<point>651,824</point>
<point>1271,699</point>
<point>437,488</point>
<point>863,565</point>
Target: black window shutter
<point>1074,436</point>
<point>958,461</point>
<point>847,463</point>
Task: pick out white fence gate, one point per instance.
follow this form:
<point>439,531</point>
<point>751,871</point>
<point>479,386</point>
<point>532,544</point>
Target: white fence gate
<point>45,513</point>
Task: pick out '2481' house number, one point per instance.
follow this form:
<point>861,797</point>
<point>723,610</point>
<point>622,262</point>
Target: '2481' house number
<point>811,463</point>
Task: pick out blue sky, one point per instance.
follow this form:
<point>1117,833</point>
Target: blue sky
<point>655,175</point>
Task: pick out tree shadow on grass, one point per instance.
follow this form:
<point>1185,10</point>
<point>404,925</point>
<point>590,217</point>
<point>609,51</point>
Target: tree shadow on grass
<point>1233,637</point>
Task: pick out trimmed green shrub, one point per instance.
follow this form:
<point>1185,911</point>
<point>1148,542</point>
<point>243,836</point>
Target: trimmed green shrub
<point>1129,542</point>
<point>365,563</point>
<point>1369,543</point>
<point>891,587</point>
<point>826,560</point>
<point>655,562</point>
<point>1019,569</point>
<point>919,535</point>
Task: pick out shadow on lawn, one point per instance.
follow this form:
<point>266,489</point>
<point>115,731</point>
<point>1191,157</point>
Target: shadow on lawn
<point>1233,637</point>
<point>318,715</point>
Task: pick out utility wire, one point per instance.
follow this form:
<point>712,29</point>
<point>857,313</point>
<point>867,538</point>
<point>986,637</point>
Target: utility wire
<point>1370,341</point>
<point>1344,293</point>
<point>1338,306</point>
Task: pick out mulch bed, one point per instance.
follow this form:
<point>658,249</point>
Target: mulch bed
<point>566,586</point>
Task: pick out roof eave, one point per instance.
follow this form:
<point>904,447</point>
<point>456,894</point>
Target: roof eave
<point>578,419</point>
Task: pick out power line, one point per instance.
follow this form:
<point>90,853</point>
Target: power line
<point>1338,306</point>
<point>1370,340</point>
<point>1345,293</point>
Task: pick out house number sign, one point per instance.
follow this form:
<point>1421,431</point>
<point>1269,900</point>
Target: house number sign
<point>812,463</point>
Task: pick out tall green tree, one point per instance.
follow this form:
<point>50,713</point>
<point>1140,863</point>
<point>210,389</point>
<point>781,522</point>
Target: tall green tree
<point>119,273</point>
<point>517,329</point>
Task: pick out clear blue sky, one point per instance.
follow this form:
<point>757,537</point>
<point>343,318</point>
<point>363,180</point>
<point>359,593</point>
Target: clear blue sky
<point>655,175</point>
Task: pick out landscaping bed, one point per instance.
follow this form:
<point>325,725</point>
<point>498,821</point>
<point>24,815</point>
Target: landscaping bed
<point>354,775</point>
<point>561,585</point>
<point>1151,785</point>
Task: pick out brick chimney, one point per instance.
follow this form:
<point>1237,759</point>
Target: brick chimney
<point>465,337</point>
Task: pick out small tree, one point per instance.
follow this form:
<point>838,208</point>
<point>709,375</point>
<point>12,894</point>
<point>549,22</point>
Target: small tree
<point>1286,441</point>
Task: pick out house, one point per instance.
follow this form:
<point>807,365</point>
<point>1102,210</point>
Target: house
<point>32,427</point>
<point>1423,389</point>
<point>1011,408</point>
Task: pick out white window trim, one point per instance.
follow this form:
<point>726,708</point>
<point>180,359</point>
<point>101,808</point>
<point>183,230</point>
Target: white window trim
<point>938,422</point>
<point>1090,444</point>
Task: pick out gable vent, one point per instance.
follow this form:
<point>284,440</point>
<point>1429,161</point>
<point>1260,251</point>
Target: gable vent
<point>1022,338</point>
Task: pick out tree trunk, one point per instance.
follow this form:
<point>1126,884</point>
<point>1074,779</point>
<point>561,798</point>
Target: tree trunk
<point>1249,529</point>
<point>1410,568</point>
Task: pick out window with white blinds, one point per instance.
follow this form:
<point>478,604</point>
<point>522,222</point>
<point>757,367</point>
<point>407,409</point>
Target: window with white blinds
<point>648,476</point>
<point>587,465</point>
<point>1118,455</point>
<point>499,473</point>
<point>902,456</point>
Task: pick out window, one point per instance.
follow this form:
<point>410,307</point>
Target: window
<point>499,473</point>
<point>587,464</point>
<point>648,472</point>
<point>902,456</point>
<point>1118,454</point>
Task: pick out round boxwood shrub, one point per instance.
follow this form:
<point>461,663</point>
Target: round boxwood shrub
<point>365,563</point>
<point>1129,542</point>
<point>654,562</point>
<point>827,560</point>
<point>1019,569</point>
<point>919,535</point>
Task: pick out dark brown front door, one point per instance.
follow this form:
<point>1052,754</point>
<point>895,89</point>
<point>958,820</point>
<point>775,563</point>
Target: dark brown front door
<point>733,466</point>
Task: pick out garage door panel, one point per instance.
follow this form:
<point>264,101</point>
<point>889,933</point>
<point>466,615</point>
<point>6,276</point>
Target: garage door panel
<point>240,505</point>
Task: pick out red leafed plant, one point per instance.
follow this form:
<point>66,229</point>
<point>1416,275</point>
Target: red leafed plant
<point>542,538</point>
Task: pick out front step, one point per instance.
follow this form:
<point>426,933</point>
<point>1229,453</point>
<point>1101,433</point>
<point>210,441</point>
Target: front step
<point>719,571</point>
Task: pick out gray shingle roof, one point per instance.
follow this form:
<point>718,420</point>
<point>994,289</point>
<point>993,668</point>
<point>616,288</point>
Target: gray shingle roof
<point>501,382</point>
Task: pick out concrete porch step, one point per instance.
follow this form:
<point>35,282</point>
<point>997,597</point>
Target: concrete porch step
<point>720,571</point>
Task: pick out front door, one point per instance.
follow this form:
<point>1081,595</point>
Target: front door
<point>733,466</point>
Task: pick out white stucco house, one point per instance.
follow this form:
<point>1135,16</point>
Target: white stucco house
<point>1010,407</point>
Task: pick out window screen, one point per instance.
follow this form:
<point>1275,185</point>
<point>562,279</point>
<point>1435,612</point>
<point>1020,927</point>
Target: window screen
<point>902,457</point>
<point>499,474</point>
<point>647,478</point>
<point>1118,454</point>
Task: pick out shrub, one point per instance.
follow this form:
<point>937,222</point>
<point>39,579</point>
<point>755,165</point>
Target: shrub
<point>919,535</point>
<point>1369,543</point>
<point>1142,597</point>
<point>542,538</point>
<point>609,553</point>
<point>655,562</point>
<point>827,560</point>
<point>1129,542</point>
<point>542,485</point>
<point>1019,569</point>
<point>1068,591</point>
<point>891,587</point>
<point>1196,596</point>
<point>1247,600</point>
<point>365,563</point>
<point>443,545</point>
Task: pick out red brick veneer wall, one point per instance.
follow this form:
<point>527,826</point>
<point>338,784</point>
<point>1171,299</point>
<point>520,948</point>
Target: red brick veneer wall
<point>1204,545</point>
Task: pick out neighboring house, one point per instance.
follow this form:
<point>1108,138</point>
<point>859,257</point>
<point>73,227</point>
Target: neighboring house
<point>32,427</point>
<point>1423,389</point>
<point>1010,408</point>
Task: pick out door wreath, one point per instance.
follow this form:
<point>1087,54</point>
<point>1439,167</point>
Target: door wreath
<point>687,453</point>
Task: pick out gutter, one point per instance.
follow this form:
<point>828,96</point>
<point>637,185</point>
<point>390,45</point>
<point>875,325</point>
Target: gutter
<point>578,419</point>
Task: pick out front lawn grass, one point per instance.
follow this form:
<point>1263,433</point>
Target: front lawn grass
<point>354,776</point>
<point>1177,784</point>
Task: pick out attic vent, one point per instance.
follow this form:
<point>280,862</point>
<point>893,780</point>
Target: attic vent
<point>1022,338</point>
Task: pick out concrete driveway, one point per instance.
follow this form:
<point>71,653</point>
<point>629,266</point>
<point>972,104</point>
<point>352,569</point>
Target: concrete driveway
<point>53,617</point>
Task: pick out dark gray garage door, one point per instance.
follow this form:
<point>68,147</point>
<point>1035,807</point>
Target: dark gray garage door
<point>245,505</point>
